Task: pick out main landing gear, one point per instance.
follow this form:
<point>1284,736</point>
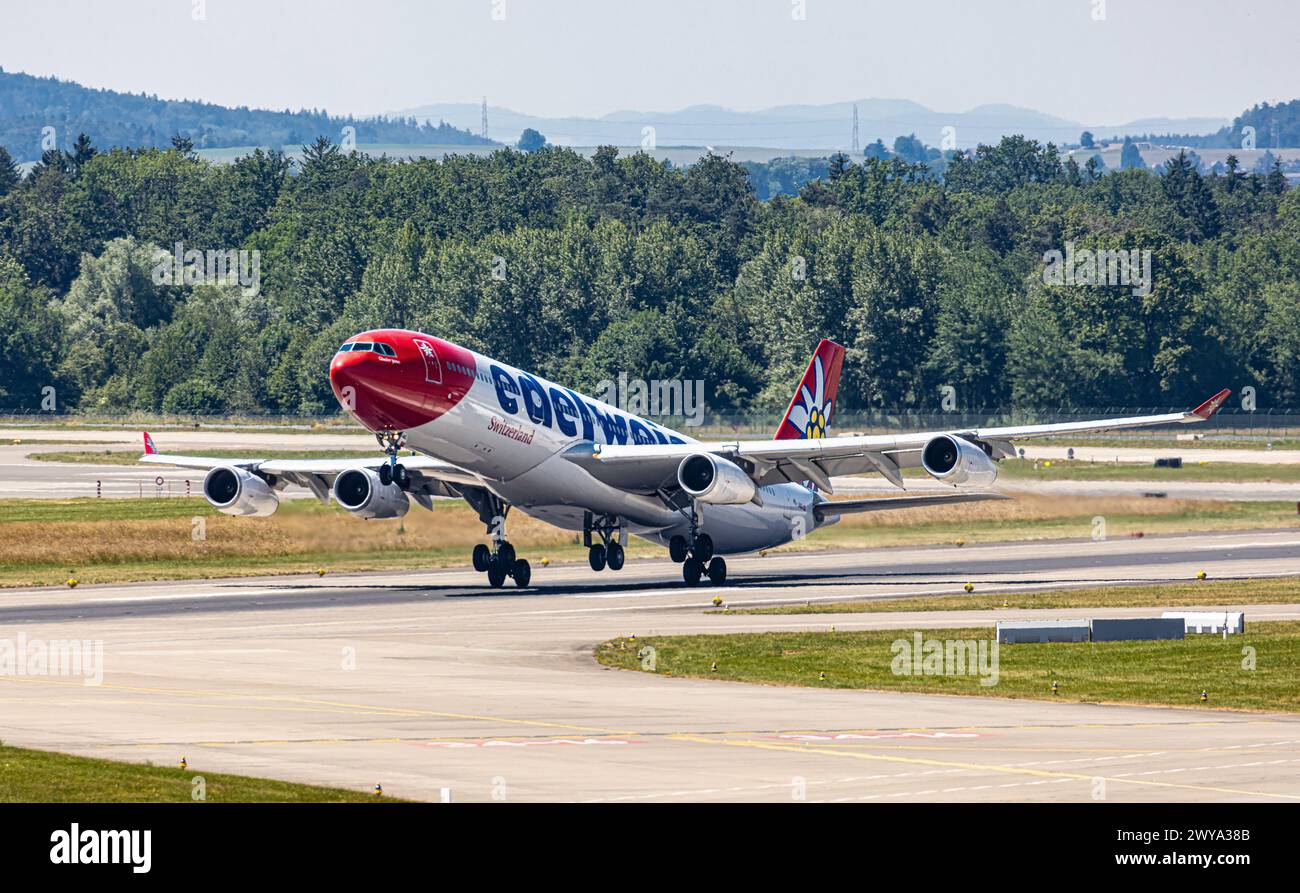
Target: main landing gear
<point>694,552</point>
<point>608,553</point>
<point>499,561</point>
<point>393,473</point>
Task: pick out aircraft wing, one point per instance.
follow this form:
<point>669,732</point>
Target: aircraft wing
<point>429,477</point>
<point>651,467</point>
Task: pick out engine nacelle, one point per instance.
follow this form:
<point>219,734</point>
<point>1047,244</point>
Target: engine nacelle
<point>234,491</point>
<point>360,491</point>
<point>716,480</point>
<point>959,462</point>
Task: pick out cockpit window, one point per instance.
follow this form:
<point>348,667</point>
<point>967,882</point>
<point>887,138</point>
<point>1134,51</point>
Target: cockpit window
<point>385,350</point>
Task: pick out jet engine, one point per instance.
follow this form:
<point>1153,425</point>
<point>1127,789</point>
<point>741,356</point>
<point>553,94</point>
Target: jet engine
<point>716,480</point>
<point>957,461</point>
<point>361,492</point>
<point>235,491</point>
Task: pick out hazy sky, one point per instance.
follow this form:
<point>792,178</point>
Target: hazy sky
<point>587,57</point>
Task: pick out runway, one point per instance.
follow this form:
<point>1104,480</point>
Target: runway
<point>425,681</point>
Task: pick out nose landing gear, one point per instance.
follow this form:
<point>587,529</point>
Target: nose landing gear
<point>393,473</point>
<point>608,553</point>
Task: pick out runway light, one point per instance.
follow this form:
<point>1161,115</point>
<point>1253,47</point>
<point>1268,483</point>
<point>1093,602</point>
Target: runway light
<point>713,667</point>
<point>546,562</point>
<point>1005,603</point>
<point>969,587</point>
<point>1205,696</point>
<point>1054,691</point>
<point>959,543</point>
<point>379,790</point>
<point>72,582</point>
<point>1201,575</point>
<point>184,763</point>
<point>320,571</point>
<point>717,601</point>
<point>821,677</point>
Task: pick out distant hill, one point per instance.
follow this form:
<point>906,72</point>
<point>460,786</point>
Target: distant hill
<point>29,104</point>
<point>828,126</point>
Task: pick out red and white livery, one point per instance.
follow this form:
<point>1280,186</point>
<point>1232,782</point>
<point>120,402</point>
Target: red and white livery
<point>501,438</point>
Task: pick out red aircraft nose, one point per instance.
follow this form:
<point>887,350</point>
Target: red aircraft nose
<point>377,390</point>
<point>392,379</point>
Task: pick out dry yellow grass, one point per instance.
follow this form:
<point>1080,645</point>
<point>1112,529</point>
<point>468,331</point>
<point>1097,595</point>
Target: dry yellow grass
<point>291,531</point>
<point>107,540</point>
<point>1021,508</point>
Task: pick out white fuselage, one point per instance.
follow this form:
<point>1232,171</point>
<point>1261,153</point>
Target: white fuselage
<point>511,428</point>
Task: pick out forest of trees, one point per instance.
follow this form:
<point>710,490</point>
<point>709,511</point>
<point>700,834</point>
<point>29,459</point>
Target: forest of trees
<point>29,105</point>
<point>1273,126</point>
<point>580,268</point>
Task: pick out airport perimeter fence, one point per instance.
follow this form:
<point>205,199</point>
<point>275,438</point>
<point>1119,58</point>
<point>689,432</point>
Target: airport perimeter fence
<point>1229,423</point>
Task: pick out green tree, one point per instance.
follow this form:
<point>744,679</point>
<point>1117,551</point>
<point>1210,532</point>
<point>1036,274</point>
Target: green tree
<point>531,141</point>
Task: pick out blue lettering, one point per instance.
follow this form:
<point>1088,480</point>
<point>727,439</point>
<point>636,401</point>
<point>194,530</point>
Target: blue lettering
<point>640,433</point>
<point>563,411</point>
<point>654,429</point>
<point>539,408</point>
<point>613,426</point>
<point>588,432</point>
<point>505,387</point>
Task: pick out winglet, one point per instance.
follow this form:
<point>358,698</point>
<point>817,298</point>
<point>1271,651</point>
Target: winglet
<point>149,448</point>
<point>1211,406</point>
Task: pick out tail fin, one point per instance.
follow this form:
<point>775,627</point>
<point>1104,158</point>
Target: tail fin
<point>813,405</point>
<point>149,448</point>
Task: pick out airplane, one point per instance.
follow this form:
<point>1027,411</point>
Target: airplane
<point>499,438</point>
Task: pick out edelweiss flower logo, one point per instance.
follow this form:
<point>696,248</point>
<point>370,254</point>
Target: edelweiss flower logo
<point>812,414</point>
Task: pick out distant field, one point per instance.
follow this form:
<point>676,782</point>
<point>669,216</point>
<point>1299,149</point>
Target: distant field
<point>46,542</point>
<point>1163,672</point>
<point>1078,470</point>
<point>1169,443</point>
<point>132,457</point>
<point>1271,591</point>
<point>39,776</point>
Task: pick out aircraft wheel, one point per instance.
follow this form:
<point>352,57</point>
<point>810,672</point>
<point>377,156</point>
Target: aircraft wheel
<point>522,573</point>
<point>482,557</point>
<point>692,569</point>
<point>385,474</point>
<point>614,557</point>
<point>496,575</point>
<point>401,477</point>
<point>506,555</point>
<point>703,547</point>
<point>596,557</point>
<point>717,572</point>
<point>677,549</point>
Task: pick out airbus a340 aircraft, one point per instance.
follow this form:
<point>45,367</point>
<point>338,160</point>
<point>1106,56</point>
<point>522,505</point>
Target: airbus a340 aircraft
<point>499,438</point>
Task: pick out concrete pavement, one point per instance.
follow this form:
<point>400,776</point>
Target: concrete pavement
<point>427,680</point>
